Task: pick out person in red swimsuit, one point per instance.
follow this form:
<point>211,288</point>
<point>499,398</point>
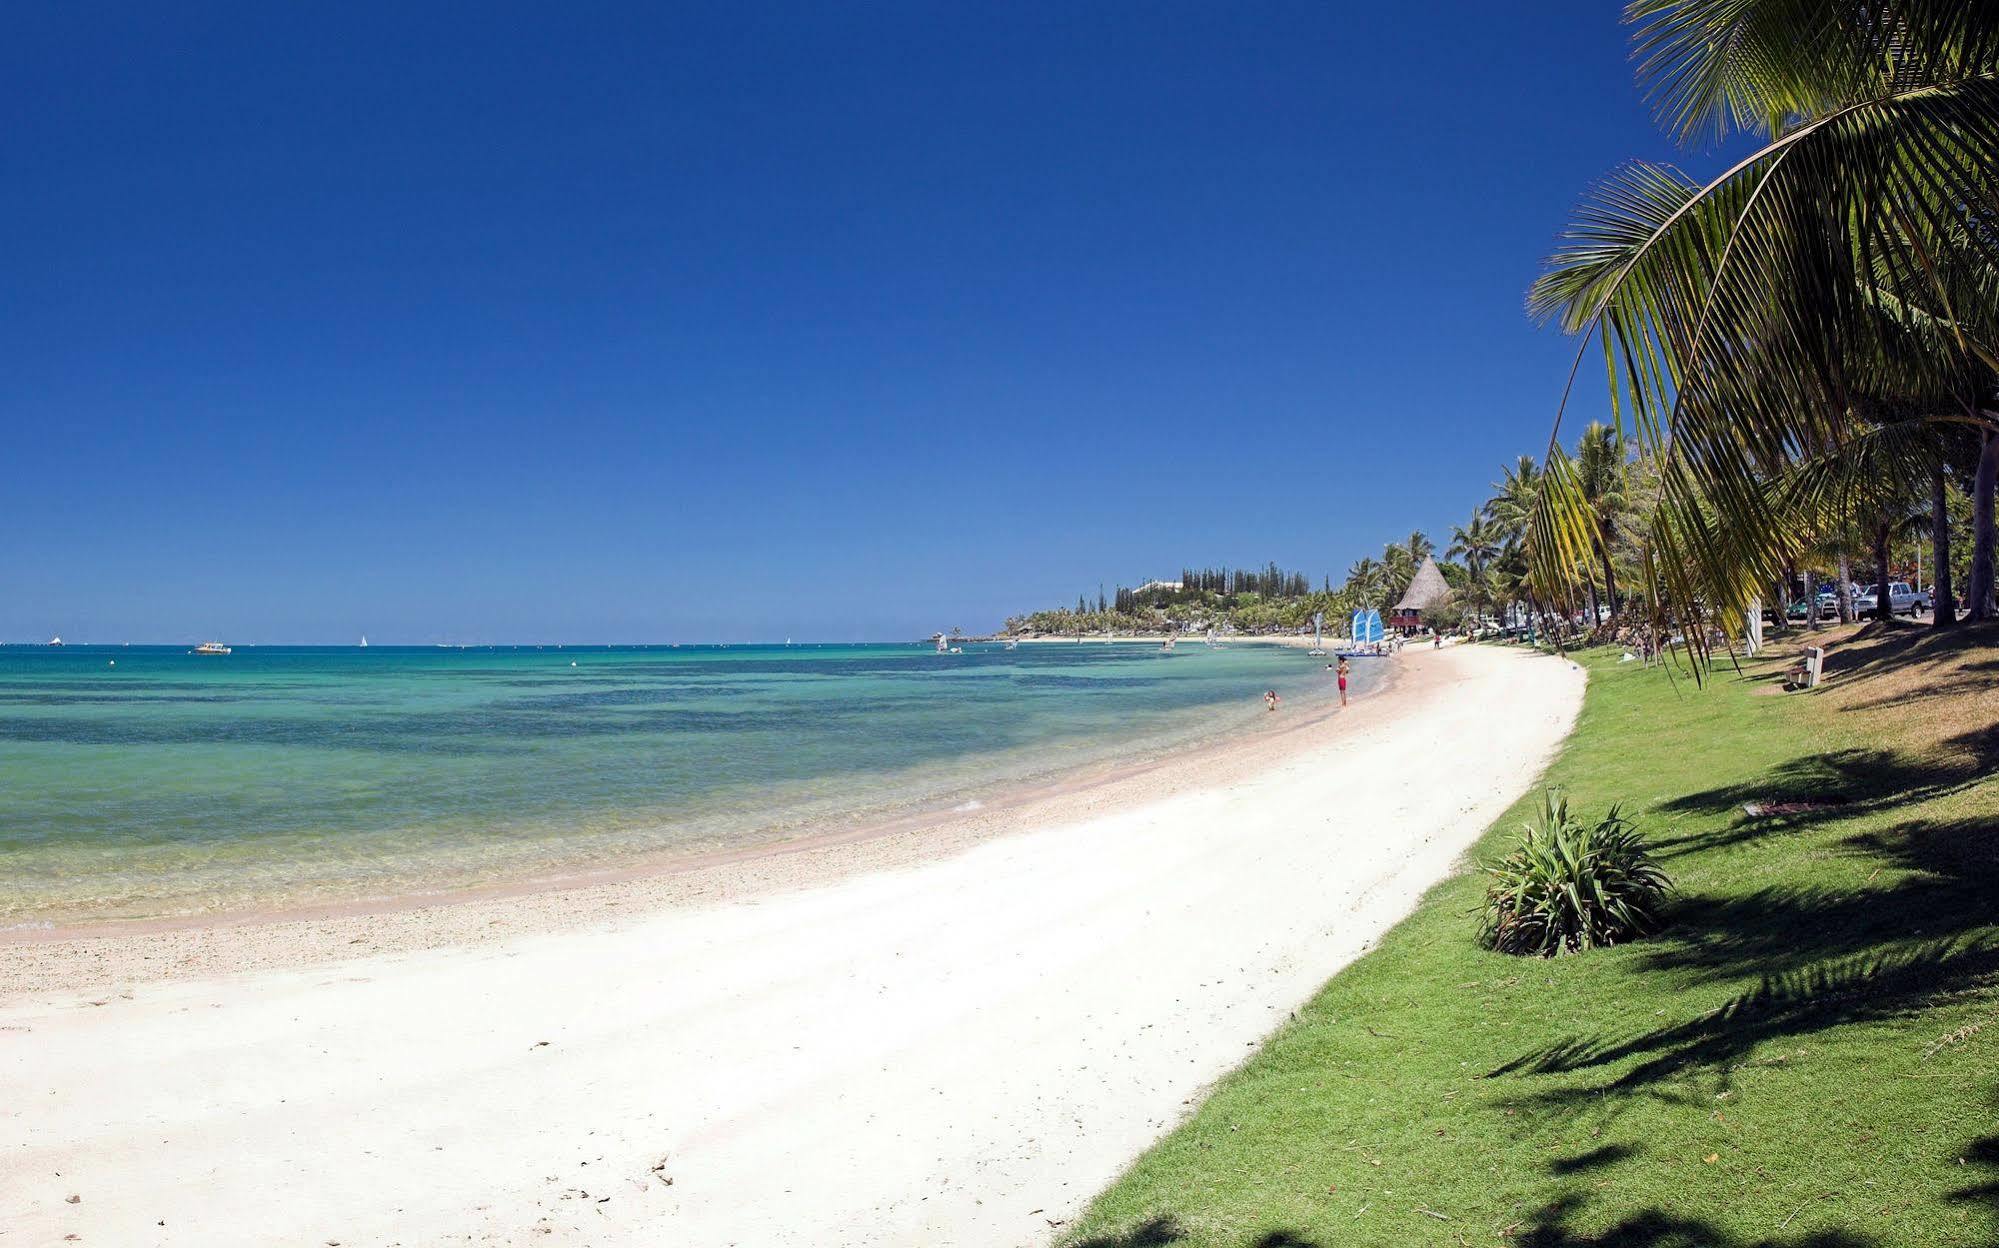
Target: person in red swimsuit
<point>1343,681</point>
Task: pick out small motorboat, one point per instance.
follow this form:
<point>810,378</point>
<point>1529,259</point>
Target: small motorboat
<point>211,647</point>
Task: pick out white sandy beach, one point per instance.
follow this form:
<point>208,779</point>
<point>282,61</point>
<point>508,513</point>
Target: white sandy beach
<point>956,1046</point>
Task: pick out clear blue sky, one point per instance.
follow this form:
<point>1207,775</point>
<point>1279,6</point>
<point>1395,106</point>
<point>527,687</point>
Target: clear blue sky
<point>592,323</point>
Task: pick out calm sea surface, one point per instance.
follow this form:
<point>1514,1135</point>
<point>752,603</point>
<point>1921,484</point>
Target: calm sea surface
<point>149,782</point>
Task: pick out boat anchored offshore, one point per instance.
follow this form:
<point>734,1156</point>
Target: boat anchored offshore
<point>211,647</point>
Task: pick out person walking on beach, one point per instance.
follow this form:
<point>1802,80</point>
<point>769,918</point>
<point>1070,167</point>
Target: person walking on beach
<point>1343,680</point>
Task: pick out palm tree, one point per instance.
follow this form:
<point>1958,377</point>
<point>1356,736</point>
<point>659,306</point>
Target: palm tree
<point>1751,324</point>
<point>1397,569</point>
<point>1516,495</point>
<point>1512,505</point>
<point>1368,582</point>
<point>1600,479</point>
<point>1477,542</point>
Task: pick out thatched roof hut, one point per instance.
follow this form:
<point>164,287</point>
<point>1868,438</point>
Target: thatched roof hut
<point>1427,590</point>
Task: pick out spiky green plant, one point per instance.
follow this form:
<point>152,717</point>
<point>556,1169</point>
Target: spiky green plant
<point>1572,885</point>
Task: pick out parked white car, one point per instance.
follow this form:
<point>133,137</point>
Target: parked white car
<point>1829,599</point>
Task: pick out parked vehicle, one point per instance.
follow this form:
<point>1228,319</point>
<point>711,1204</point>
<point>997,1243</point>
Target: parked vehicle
<point>1829,599</point>
<point>1902,600</point>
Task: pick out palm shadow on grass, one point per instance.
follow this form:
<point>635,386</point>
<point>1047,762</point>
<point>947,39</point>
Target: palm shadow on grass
<point>1552,1227</point>
<point>1840,784</point>
<point>1942,887</point>
<point>1983,1153</point>
<point>1781,1006</point>
<point>1156,1233</point>
<point>1806,958</point>
<point>1877,647</point>
<point>1820,957</point>
<point>1161,1232</point>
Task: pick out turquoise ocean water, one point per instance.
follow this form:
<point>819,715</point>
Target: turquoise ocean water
<point>148,782</point>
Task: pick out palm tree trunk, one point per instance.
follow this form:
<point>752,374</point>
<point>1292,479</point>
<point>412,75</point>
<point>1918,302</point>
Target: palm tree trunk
<point>1883,606</point>
<point>1943,608</point>
<point>1845,595</point>
<point>1812,601</point>
<point>1609,579</point>
<point>1978,591</point>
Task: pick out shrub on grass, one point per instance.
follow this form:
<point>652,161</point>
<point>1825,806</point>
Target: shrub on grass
<point>1572,885</point>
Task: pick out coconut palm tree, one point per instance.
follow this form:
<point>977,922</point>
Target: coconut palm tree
<point>1397,570</point>
<point>1477,542</point>
<point>1367,581</point>
<point>1751,324</point>
<point>1600,464</point>
<point>1515,497</point>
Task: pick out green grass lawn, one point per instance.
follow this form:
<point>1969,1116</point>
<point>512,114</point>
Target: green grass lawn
<point>1805,1056</point>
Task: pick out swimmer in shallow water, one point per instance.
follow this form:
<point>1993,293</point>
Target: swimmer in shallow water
<point>1270,699</point>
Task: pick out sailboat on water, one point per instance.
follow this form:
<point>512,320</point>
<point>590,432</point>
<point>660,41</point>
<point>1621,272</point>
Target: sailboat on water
<point>364,641</point>
<point>1318,650</point>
